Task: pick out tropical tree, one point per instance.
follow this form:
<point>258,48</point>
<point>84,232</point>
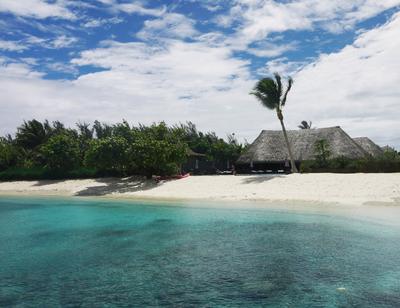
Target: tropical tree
<point>108,154</point>
<point>9,155</point>
<point>305,125</point>
<point>102,130</point>
<point>152,156</point>
<point>272,95</point>
<point>32,134</point>
<point>61,152</point>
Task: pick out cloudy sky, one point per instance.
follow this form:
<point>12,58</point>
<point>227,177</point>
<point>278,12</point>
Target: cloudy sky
<point>197,60</point>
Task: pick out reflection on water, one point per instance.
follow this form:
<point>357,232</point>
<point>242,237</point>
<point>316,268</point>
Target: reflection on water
<point>88,253</point>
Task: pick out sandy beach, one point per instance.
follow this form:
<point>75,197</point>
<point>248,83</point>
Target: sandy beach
<point>347,189</point>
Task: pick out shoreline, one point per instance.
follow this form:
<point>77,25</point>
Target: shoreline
<point>324,188</point>
<point>382,214</point>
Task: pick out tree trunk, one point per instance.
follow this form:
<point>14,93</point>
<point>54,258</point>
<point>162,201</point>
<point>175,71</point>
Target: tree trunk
<point>292,163</point>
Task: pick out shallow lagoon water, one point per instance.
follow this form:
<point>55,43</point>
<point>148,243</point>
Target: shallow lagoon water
<point>77,252</point>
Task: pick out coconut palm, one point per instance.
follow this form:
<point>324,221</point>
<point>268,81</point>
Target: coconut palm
<point>305,125</point>
<point>272,95</point>
<point>32,133</point>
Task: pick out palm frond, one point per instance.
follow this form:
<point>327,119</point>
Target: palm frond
<point>267,93</point>
<point>290,83</point>
<point>278,82</point>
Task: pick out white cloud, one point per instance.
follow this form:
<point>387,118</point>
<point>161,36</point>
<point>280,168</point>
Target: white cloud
<point>58,42</point>
<point>94,23</point>
<point>36,9</point>
<point>12,46</point>
<point>133,7</point>
<point>170,25</point>
<point>63,41</point>
<point>257,19</point>
<point>282,66</point>
<point>11,70</point>
<point>356,87</point>
<point>267,49</point>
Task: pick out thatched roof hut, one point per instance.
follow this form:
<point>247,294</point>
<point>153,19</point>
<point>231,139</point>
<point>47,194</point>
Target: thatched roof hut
<point>369,146</point>
<point>270,146</point>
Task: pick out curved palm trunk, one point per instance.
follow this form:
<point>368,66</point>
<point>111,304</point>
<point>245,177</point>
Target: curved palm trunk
<point>292,163</point>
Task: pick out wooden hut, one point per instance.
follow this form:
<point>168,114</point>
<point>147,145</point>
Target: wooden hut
<point>196,163</point>
<point>269,152</point>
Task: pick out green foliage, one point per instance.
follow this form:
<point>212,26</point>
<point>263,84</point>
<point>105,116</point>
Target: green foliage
<point>109,153</point>
<point>21,173</point>
<point>216,149</point>
<point>102,130</point>
<point>61,152</point>
<point>39,173</point>
<point>270,92</point>
<point>322,152</point>
<point>43,150</point>
<point>346,165</point>
<point>9,155</point>
<point>32,134</point>
<point>157,153</point>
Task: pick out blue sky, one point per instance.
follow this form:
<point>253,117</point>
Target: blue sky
<point>147,61</point>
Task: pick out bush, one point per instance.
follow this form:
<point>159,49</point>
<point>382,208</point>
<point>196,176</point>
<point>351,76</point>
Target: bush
<point>15,174</point>
<point>9,155</point>
<point>157,157</point>
<point>346,165</point>
<point>38,173</point>
<point>61,152</point>
<point>108,155</point>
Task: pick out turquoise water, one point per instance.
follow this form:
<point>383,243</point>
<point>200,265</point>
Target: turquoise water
<point>92,253</point>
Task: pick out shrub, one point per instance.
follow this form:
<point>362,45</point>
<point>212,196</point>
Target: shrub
<point>108,154</point>
<point>9,155</point>
<point>39,173</point>
<point>61,152</point>
<point>346,165</point>
<point>151,156</point>
<point>322,152</point>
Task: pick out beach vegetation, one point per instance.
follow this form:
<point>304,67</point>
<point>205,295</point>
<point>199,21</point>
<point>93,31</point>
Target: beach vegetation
<point>60,152</point>
<point>108,154</point>
<point>322,152</point>
<point>389,161</point>
<point>342,164</point>
<point>9,155</point>
<point>44,150</point>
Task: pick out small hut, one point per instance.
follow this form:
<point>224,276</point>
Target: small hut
<point>369,146</point>
<point>196,163</point>
<point>269,152</point>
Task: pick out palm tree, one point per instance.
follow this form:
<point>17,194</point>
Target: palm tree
<point>32,134</point>
<point>305,125</point>
<point>272,95</point>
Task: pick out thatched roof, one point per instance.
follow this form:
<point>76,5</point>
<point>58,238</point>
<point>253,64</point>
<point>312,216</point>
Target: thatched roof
<point>270,145</point>
<point>369,146</point>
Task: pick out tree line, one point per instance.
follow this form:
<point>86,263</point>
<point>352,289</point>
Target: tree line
<point>51,150</point>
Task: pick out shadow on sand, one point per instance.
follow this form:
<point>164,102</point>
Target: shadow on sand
<point>117,185</point>
<point>47,182</point>
<point>260,178</point>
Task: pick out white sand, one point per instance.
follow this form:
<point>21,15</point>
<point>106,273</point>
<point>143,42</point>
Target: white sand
<point>350,189</point>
